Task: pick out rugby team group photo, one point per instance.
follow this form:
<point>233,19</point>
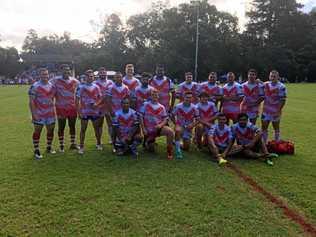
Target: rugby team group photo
<point>222,119</point>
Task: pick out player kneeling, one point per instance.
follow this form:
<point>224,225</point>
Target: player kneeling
<point>250,140</point>
<point>220,139</point>
<point>126,131</point>
<point>185,117</point>
<point>154,123</point>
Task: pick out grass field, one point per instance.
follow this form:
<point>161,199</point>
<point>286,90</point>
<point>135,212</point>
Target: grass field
<point>102,195</point>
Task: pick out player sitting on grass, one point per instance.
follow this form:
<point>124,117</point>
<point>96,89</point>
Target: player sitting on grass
<point>154,123</point>
<point>250,141</point>
<point>220,139</point>
<point>41,95</point>
<point>88,96</point>
<point>275,98</point>
<point>207,114</point>
<point>185,117</point>
<point>126,130</point>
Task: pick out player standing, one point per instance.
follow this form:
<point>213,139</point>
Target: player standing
<point>188,85</point>
<point>142,93</point>
<point>116,93</point>
<point>41,102</point>
<point>207,114</point>
<point>104,84</point>
<point>212,88</point>
<point>165,88</point>
<point>253,91</point>
<point>66,86</point>
<point>126,130</point>
<point>154,123</point>
<point>129,80</point>
<point>88,96</point>
<point>274,101</point>
<point>185,117</point>
<point>232,97</point>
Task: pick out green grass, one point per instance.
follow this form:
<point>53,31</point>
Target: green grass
<point>102,195</point>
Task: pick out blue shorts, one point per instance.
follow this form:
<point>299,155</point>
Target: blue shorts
<point>90,117</point>
<point>269,117</point>
<point>252,115</point>
<point>186,134</point>
<point>44,121</point>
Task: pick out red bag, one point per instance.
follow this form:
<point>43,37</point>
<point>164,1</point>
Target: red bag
<point>281,147</point>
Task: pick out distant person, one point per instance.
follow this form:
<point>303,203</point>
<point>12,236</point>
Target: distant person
<point>185,116</point>
<point>253,91</point>
<point>66,87</point>
<point>88,96</point>
<point>126,134</point>
<point>188,85</point>
<point>41,102</point>
<point>165,88</point>
<point>250,141</point>
<point>274,100</point>
<point>154,123</point>
<point>232,97</point>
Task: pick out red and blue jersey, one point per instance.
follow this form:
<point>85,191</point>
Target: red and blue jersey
<point>104,86</point>
<point>65,94</point>
<point>117,93</point>
<point>185,87</point>
<point>88,94</point>
<point>232,90</point>
<point>125,122</point>
<point>141,94</point>
<point>252,94</point>
<point>185,115</point>
<point>131,83</point>
<point>244,135</point>
<point>152,115</point>
<point>207,110</point>
<point>221,136</point>
<point>274,94</point>
<point>164,86</point>
<point>42,96</point>
<point>212,89</point>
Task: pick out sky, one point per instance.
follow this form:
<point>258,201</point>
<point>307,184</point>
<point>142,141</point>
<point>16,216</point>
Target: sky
<point>57,16</point>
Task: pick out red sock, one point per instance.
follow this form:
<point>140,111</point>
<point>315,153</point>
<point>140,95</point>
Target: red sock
<point>36,137</point>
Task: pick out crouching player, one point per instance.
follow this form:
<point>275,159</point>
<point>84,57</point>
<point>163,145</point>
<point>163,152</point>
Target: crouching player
<point>126,130</point>
<point>274,101</point>
<point>88,96</point>
<point>185,117</point>
<point>42,95</point>
<point>250,140</point>
<point>154,123</point>
<point>220,139</point>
